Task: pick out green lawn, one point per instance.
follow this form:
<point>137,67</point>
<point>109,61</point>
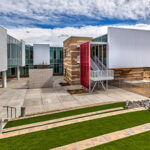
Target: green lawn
<point>62,114</point>
<point>63,120</point>
<point>46,139</point>
<point>136,142</point>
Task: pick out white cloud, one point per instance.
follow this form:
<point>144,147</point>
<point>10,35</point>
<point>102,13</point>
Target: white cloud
<point>55,37</point>
<point>29,12</point>
<point>49,10</point>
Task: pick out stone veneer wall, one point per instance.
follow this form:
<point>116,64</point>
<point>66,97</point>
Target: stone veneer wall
<point>129,73</point>
<point>136,104</point>
<point>70,54</point>
<point>146,75</point>
<point>40,78</point>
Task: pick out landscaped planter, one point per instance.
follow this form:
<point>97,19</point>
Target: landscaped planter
<point>77,91</point>
<point>64,84</point>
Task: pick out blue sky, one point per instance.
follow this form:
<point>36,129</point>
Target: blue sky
<point>51,21</point>
<point>61,21</point>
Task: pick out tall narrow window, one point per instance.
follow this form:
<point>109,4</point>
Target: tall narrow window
<point>13,71</point>
<point>56,68</point>
<point>31,54</point>
<point>61,57</point>
<point>54,53</point>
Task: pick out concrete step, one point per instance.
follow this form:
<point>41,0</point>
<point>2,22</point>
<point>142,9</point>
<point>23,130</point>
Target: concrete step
<point>64,110</point>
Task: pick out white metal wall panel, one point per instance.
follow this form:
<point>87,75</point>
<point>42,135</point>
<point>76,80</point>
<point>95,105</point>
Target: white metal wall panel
<point>41,54</point>
<point>128,48</point>
<point>3,49</point>
<point>23,53</point>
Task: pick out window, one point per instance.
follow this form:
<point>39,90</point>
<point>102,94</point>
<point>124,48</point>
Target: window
<point>58,55</point>
<point>31,54</point>
<point>54,53</point>
<point>51,55</point>
<point>56,68</point>
<point>13,71</point>
<point>61,54</point>
<point>14,49</point>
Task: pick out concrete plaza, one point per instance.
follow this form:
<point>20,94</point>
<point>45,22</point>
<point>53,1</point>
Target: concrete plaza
<point>57,98</point>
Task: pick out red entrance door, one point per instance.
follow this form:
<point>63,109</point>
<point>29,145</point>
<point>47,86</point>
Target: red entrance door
<point>84,64</point>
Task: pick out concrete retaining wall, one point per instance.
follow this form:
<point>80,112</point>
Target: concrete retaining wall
<point>40,78</point>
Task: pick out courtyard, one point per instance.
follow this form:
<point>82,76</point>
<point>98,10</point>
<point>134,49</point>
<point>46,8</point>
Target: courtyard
<point>57,98</point>
<point>58,120</point>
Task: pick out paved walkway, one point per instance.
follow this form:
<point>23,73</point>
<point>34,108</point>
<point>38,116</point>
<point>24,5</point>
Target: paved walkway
<point>57,98</point>
<point>69,109</point>
<point>13,96</point>
<point>60,119</point>
<point>68,122</point>
<point>106,138</point>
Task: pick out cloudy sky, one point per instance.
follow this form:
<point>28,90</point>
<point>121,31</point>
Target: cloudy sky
<point>52,21</point>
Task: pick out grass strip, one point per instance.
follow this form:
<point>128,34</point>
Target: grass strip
<point>64,120</point>
<point>62,114</point>
<point>135,142</point>
<point>47,139</point>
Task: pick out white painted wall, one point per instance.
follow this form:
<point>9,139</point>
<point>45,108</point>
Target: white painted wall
<point>23,53</point>
<point>128,48</point>
<point>3,49</point>
<point>41,54</point>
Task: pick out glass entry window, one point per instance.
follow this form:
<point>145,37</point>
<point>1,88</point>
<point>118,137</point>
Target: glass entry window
<point>56,59</point>
<point>100,52</point>
<point>56,68</point>
<point>14,49</point>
